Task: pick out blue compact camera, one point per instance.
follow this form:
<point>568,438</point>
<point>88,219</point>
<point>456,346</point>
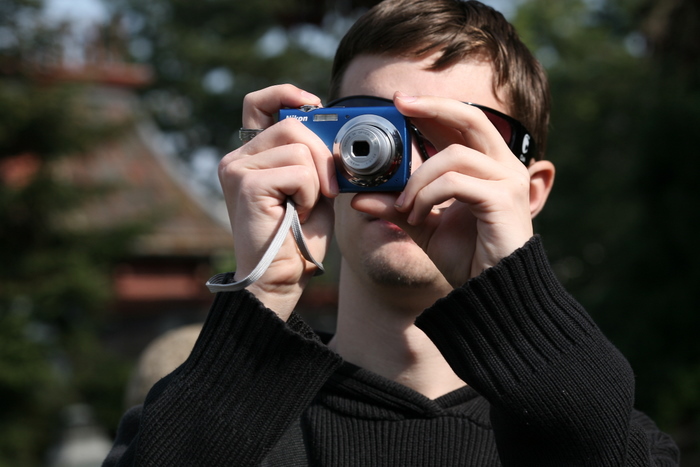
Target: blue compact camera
<point>371,146</point>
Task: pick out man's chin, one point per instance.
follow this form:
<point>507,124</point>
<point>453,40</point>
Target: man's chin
<point>401,265</point>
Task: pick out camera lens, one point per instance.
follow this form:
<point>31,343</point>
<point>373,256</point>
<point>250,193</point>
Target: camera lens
<point>360,148</point>
<point>368,150</point>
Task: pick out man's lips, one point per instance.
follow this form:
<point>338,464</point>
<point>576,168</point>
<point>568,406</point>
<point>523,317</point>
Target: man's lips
<point>386,224</point>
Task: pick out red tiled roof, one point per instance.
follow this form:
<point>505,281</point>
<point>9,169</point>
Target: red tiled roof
<point>147,186</point>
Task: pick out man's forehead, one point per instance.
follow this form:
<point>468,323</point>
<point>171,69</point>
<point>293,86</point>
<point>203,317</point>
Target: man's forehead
<point>471,80</point>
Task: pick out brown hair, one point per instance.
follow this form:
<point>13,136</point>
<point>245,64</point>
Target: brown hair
<point>460,30</point>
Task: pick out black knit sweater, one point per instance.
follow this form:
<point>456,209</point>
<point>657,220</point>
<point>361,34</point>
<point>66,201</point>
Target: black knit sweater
<point>546,388</point>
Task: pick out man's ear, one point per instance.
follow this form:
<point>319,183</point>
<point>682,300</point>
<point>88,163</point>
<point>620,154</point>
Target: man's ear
<point>541,181</point>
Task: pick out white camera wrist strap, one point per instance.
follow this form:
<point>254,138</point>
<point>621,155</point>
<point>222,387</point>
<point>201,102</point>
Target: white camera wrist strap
<point>290,220</point>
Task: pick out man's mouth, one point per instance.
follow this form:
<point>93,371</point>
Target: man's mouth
<point>388,225</point>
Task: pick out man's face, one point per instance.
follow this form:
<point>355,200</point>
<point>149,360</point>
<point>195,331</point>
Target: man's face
<point>376,250</point>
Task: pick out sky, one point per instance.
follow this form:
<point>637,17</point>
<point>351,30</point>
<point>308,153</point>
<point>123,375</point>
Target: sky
<point>83,12</point>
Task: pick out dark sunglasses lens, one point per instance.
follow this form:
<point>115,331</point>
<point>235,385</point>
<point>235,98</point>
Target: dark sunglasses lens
<point>430,150</point>
<point>502,125</point>
<point>514,133</point>
<point>425,147</point>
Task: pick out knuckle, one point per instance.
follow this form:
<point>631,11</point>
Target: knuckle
<point>299,150</point>
<point>450,179</point>
<point>252,98</point>
<point>230,172</point>
<point>286,88</point>
<point>305,173</point>
<point>299,154</point>
<point>226,161</point>
<point>290,125</point>
<point>256,96</point>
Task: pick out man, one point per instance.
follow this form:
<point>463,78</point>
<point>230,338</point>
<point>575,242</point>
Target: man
<point>455,344</point>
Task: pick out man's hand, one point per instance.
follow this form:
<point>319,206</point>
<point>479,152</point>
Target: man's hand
<point>285,160</point>
<point>472,203</point>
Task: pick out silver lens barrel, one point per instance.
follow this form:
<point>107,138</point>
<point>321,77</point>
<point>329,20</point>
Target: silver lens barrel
<point>368,150</point>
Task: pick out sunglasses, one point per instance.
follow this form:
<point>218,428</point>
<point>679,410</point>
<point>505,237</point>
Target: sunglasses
<point>516,136</point>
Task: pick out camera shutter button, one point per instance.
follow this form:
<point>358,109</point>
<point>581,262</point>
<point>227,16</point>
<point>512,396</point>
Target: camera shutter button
<point>309,108</point>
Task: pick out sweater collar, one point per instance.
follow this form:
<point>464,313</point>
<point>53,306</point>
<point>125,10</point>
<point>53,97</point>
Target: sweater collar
<point>358,392</point>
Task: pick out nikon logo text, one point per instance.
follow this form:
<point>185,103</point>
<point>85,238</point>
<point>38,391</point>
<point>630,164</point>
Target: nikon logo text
<point>298,117</point>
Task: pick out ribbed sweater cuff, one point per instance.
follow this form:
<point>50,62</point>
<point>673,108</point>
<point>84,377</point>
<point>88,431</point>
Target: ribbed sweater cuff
<point>249,376</point>
<point>509,321</point>
<point>516,336</point>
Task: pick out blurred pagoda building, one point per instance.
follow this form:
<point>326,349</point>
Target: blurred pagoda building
<point>186,232</point>
<point>160,284</point>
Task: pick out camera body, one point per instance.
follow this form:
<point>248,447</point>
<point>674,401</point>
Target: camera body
<point>371,146</point>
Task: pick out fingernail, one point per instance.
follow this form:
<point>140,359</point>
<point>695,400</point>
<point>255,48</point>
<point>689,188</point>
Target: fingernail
<point>400,200</point>
<point>405,97</point>
<point>333,187</point>
<point>412,218</point>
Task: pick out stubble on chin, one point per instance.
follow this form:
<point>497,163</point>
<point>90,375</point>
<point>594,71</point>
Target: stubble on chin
<point>388,257</point>
<point>398,270</point>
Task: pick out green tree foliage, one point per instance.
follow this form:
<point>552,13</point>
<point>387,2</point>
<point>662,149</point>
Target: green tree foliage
<point>208,55</point>
<point>54,281</point>
<point>621,221</point>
